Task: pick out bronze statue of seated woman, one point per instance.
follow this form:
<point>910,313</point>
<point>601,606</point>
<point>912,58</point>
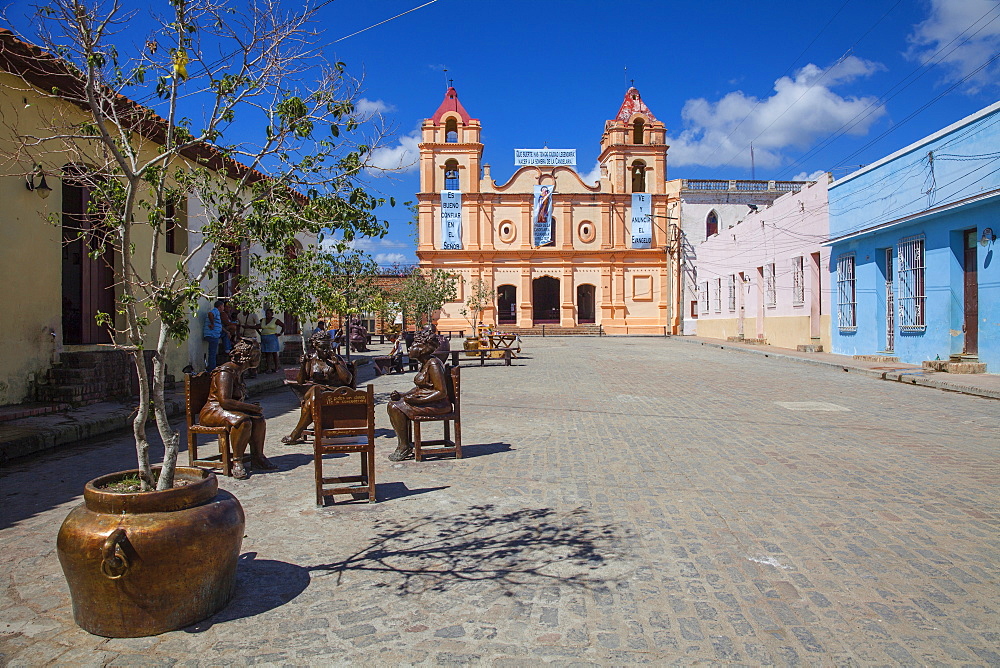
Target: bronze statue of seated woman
<point>428,397</point>
<point>225,407</point>
<point>320,369</point>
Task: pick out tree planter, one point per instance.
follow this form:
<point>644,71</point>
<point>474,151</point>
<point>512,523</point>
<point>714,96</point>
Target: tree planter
<point>149,562</point>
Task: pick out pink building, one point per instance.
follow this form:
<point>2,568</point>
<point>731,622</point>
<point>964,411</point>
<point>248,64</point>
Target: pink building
<point>767,278</point>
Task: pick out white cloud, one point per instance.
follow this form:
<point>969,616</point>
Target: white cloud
<point>814,176</point>
<point>802,108</point>
<point>384,259</point>
<point>968,34</point>
<point>374,247</point>
<point>400,158</point>
<point>365,109</point>
<point>593,176</point>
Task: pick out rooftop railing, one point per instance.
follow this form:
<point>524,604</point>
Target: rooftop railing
<point>743,186</point>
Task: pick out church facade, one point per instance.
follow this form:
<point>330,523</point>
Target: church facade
<point>550,248</point>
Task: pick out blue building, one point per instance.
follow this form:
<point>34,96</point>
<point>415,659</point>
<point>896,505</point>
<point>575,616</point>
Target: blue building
<point>914,259</point>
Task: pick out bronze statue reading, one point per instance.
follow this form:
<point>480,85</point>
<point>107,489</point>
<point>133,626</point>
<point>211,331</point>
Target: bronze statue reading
<point>428,397</point>
<point>225,407</point>
<point>321,369</point>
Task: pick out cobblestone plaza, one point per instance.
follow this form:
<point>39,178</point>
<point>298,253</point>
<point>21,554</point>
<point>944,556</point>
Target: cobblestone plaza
<point>622,500</point>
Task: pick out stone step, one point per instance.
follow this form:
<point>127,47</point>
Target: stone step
<point>61,375</point>
<point>948,366</point>
<point>876,358</point>
<point>553,330</point>
<point>810,348</point>
<point>31,409</point>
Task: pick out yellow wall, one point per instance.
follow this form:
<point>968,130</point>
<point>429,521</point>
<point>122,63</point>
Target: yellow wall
<point>781,332</point>
<point>31,250</point>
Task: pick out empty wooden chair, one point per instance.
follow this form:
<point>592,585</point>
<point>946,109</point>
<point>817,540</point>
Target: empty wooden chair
<point>344,422</point>
<point>446,445</point>
<point>196,388</point>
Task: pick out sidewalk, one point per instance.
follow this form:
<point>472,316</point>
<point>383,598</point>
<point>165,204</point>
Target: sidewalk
<point>25,436</point>
<point>978,384</point>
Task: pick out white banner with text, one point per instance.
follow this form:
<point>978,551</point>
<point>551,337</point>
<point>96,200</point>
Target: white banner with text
<point>642,221</point>
<point>451,219</point>
<point>544,156</point>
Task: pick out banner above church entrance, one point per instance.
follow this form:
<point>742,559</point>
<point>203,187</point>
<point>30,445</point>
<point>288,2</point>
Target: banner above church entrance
<point>542,216</point>
<point>642,221</point>
<point>451,219</point>
<point>544,156</point>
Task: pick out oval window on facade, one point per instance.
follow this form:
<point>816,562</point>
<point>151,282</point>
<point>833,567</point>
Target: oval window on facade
<point>587,231</point>
<point>508,231</point>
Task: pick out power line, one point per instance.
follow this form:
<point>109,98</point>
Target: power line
<point>919,71</point>
<point>384,22</point>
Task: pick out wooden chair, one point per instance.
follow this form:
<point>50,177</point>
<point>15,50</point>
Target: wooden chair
<point>445,445</point>
<point>196,388</point>
<point>299,390</point>
<point>344,421</point>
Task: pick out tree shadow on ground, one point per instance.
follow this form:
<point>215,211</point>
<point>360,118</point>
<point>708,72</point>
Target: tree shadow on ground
<point>511,548</point>
<point>261,585</point>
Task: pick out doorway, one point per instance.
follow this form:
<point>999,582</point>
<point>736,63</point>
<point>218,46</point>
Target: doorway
<point>545,300</point>
<point>970,322</point>
<point>506,305</point>
<point>585,311</point>
<point>87,282</point>
<point>890,303</point>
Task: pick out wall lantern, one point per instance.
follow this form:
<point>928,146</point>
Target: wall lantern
<point>987,237</point>
<point>42,188</point>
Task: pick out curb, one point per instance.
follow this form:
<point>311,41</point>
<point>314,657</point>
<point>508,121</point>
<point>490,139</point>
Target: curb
<point>27,436</point>
<point>907,376</point>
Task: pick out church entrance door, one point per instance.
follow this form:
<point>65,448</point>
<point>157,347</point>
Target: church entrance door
<point>585,304</point>
<point>506,305</point>
<point>545,300</point>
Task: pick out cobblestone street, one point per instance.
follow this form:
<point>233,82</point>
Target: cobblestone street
<point>622,500</point>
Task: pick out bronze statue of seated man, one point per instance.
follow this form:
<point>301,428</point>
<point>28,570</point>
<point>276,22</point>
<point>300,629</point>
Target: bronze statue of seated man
<point>428,397</point>
<point>357,337</point>
<point>225,407</point>
<point>320,369</point>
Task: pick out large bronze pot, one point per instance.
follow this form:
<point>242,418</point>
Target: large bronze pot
<point>149,562</point>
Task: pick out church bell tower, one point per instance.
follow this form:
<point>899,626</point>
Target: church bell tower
<point>633,148</point>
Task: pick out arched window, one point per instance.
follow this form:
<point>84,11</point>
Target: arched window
<point>451,175</point>
<point>711,224</point>
<point>637,129</point>
<point>451,131</point>
<point>638,176</point>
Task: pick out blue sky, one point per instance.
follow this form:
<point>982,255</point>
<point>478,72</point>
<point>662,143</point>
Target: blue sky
<point>813,86</point>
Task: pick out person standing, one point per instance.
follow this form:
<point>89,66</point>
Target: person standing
<point>270,329</point>
<point>248,327</point>
<point>229,327</point>
<point>212,332</point>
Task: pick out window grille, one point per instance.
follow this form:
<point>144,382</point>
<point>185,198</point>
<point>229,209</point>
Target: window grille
<point>703,296</point>
<point>912,301</point>
<point>798,282</point>
<point>772,291</point>
<point>732,292</point>
<point>847,318</point>
<point>718,295</point>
